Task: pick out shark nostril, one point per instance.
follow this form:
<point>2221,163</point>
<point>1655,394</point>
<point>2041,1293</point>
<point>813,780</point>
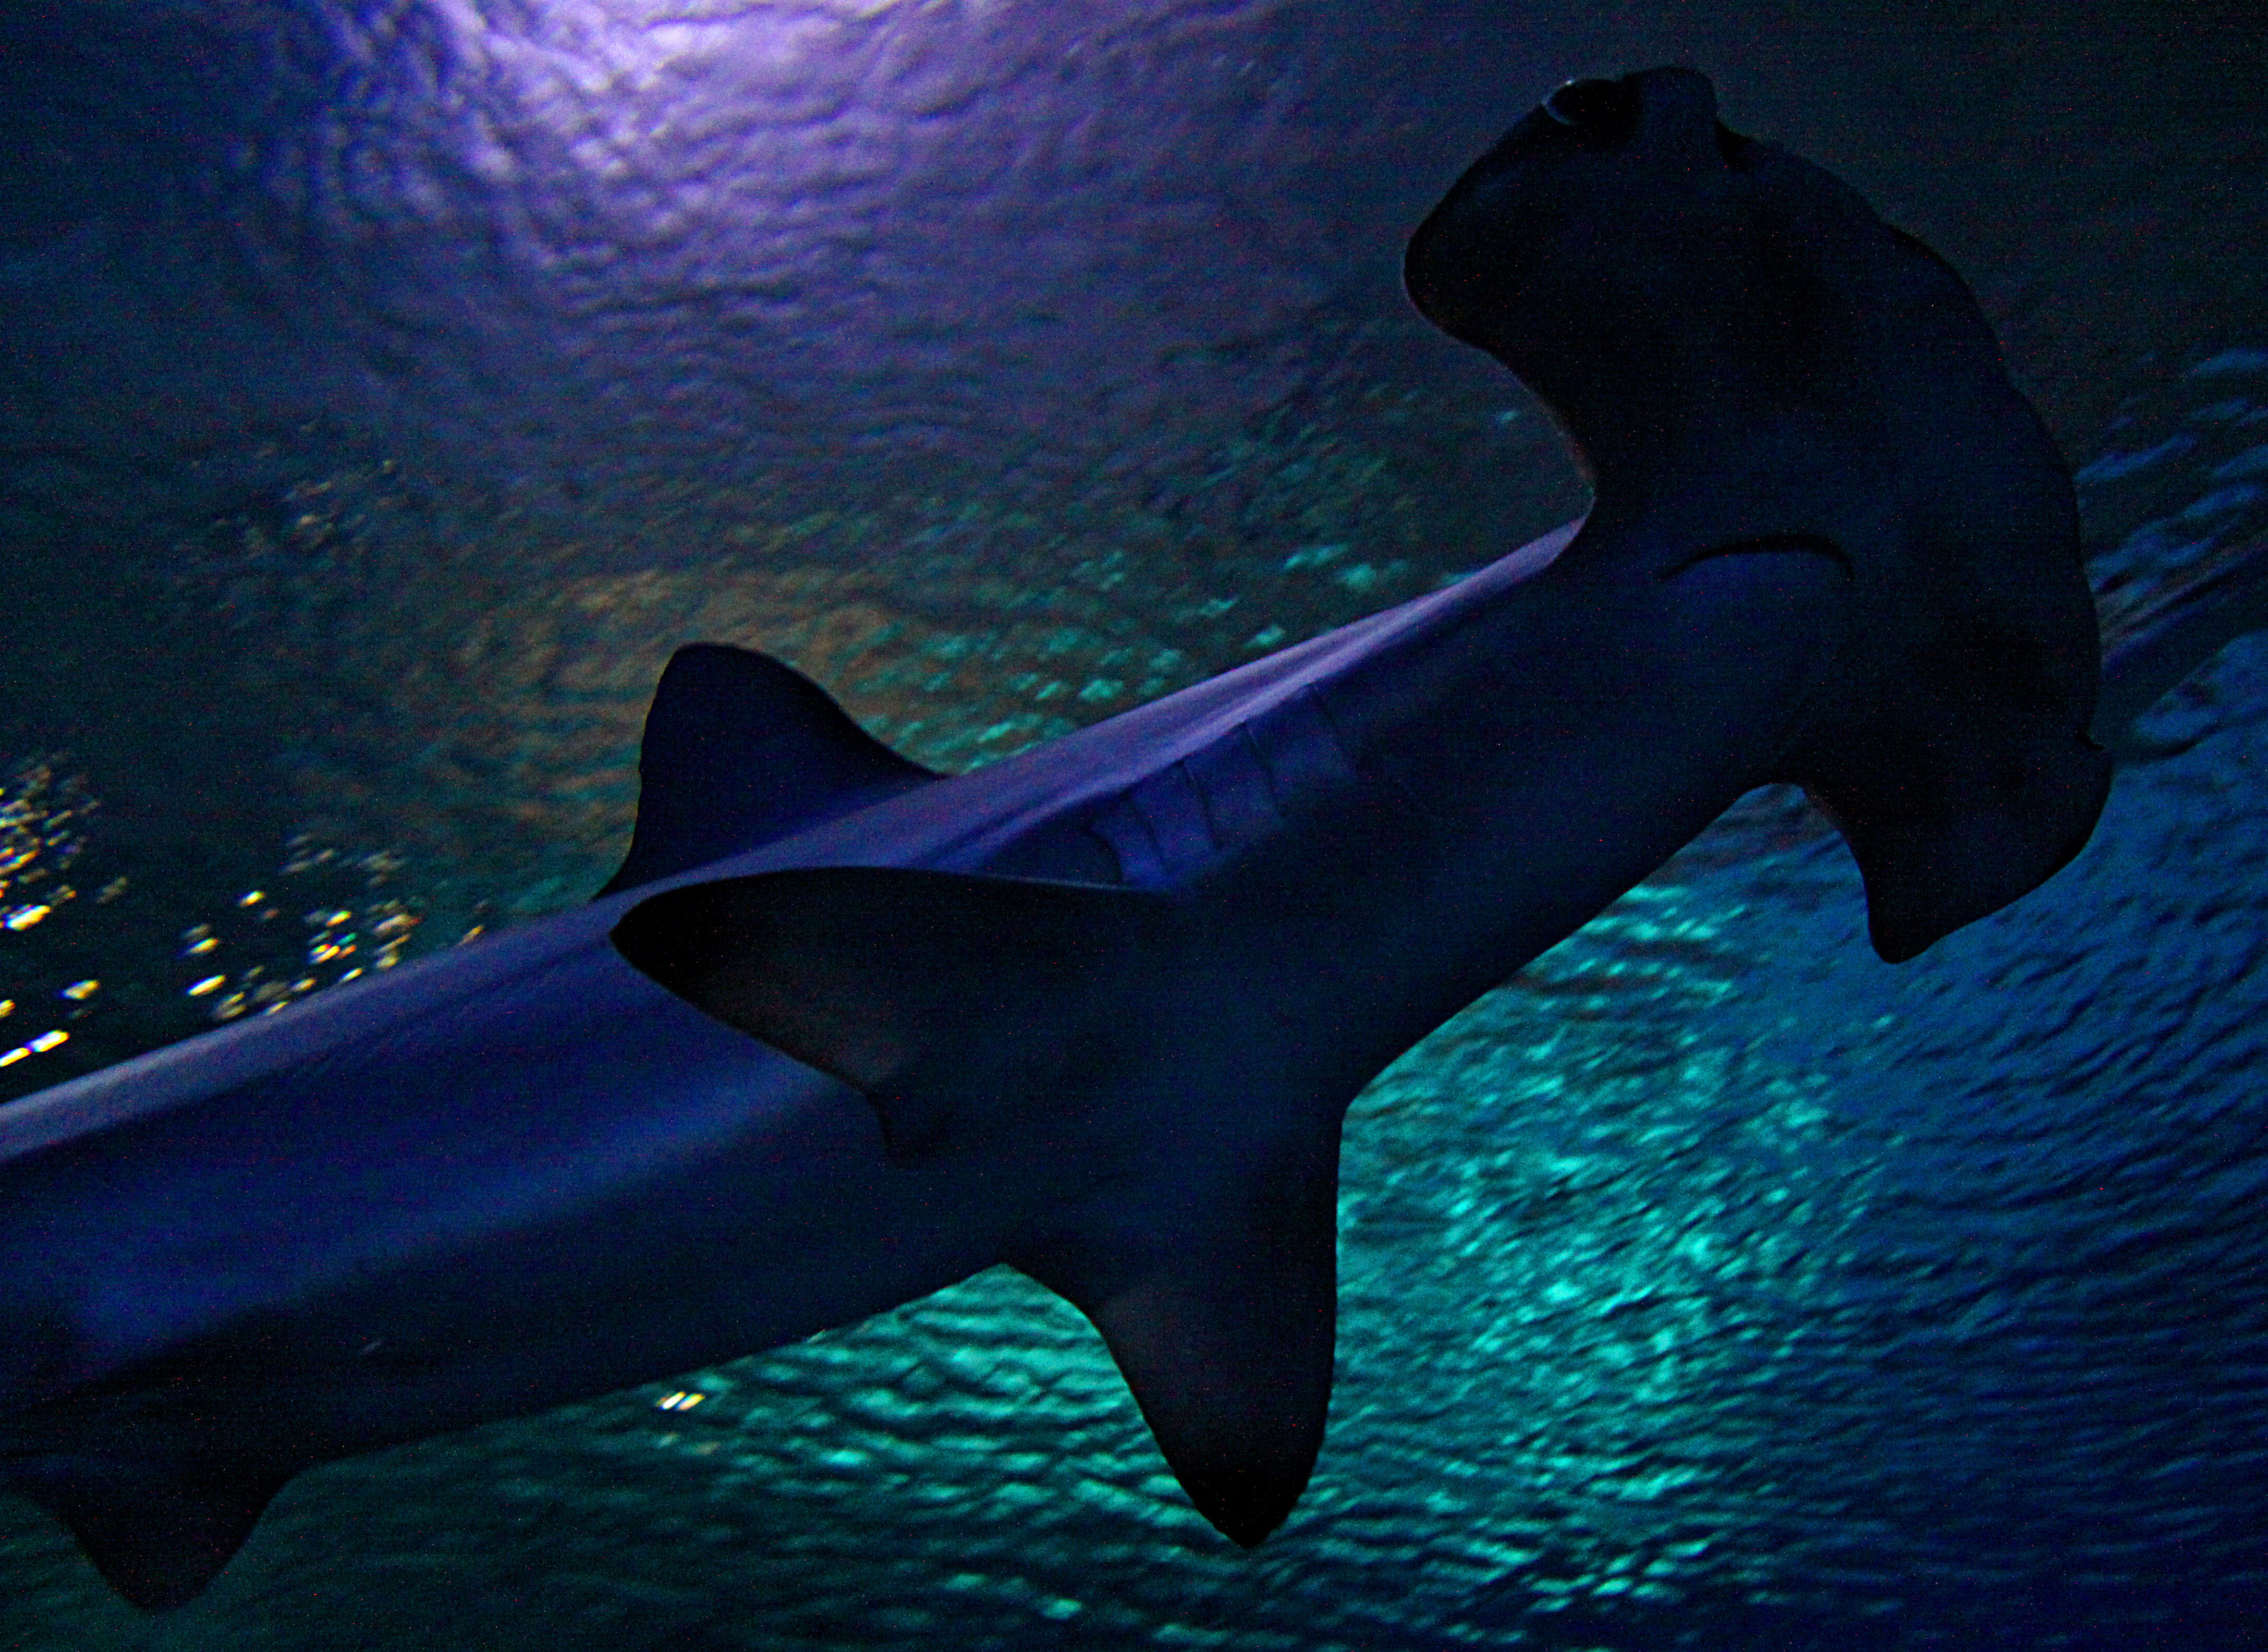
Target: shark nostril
<point>1601,111</point>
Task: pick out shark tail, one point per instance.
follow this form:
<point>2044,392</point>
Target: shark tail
<point>980,1012</point>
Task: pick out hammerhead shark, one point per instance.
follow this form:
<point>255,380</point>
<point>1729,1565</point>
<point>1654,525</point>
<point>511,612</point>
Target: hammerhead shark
<point>843,1031</point>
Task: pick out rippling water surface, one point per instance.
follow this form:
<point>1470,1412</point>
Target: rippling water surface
<point>395,386</point>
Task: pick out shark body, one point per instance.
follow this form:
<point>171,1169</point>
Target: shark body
<point>842,1032</point>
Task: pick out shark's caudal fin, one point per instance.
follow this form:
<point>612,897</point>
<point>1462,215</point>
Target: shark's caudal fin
<point>741,749</point>
<point>963,1005</point>
<point>158,1535</point>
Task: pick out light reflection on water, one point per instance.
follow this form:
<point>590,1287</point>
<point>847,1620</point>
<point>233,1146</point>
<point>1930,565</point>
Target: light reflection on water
<point>1710,1284</point>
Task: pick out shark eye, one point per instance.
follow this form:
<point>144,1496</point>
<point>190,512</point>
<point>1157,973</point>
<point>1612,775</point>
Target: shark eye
<point>1598,111</point>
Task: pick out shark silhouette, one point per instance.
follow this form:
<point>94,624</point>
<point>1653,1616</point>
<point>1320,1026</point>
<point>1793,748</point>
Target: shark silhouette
<point>843,1031</point>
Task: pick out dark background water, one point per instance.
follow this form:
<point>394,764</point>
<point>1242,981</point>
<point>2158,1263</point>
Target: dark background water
<point>387,388</point>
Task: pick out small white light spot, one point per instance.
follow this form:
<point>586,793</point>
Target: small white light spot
<point>80,991</point>
<point>210,984</point>
<point>47,1041</point>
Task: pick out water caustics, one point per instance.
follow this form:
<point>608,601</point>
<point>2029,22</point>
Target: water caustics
<point>843,1032</point>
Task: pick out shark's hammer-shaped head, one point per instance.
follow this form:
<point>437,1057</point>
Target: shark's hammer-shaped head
<point>1743,352</point>
<point>1619,251</point>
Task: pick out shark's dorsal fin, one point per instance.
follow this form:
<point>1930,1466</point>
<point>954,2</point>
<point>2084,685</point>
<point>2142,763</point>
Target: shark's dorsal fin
<point>945,998</point>
<point>158,1534</point>
<point>741,749</point>
<point>968,1006</point>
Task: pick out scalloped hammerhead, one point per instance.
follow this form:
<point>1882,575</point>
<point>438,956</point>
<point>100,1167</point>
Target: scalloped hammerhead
<point>843,1031</point>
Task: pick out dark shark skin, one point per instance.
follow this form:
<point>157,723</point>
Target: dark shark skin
<point>843,1032</point>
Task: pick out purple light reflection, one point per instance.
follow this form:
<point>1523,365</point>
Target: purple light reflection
<point>618,239</point>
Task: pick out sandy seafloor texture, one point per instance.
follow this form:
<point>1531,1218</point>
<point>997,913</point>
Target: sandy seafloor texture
<point>1711,1287</point>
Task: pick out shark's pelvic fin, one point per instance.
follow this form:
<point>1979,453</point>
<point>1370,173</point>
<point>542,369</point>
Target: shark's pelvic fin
<point>741,749</point>
<point>948,998</point>
<point>158,1535</point>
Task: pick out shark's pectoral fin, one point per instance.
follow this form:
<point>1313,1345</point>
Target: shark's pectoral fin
<point>158,1533</point>
<point>741,749</point>
<point>961,1005</point>
<point>1223,1324</point>
<point>951,1001</point>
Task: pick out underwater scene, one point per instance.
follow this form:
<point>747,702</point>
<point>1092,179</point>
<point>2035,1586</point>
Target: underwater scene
<point>391,387</point>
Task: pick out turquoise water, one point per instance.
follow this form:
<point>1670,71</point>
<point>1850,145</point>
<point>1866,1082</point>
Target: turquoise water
<point>1712,1285</point>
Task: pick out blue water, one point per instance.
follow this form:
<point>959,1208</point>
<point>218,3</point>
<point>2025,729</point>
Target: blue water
<point>390,387</point>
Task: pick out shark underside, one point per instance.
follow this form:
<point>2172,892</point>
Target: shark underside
<point>843,1031</point>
